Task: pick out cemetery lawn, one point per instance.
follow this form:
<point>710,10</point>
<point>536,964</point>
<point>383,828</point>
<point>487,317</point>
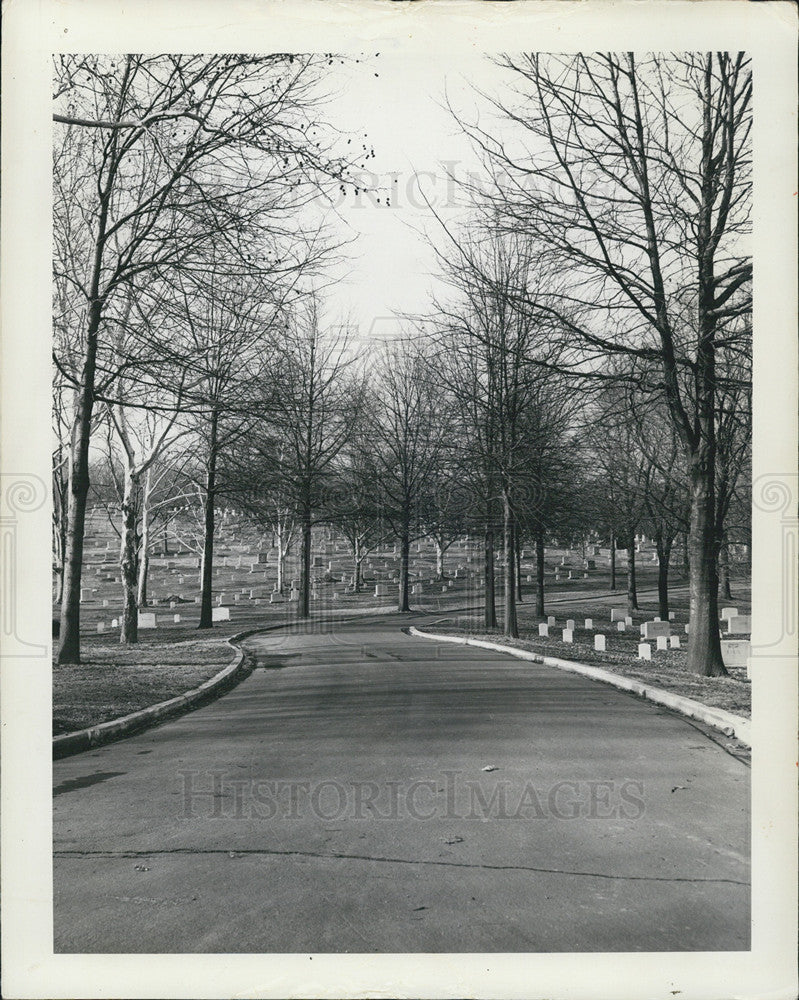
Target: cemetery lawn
<point>666,670</point>
<point>115,680</point>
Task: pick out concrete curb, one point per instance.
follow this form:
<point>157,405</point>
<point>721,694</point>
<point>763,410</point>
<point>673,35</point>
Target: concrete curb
<point>227,678</point>
<point>729,724</point>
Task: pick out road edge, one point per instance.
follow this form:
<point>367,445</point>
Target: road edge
<point>718,718</point>
<point>228,677</point>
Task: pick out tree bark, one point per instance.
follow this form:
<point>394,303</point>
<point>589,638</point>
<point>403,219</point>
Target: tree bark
<point>612,560</point>
<point>664,554</point>
<point>206,613</point>
<point>632,592</point>
<point>724,570</point>
<point>129,631</point>
<point>539,572</point>
<point>511,626</point>
<point>405,548</point>
<point>488,587</point>
<point>519,597</point>
<point>304,603</point>
<point>144,545</point>
<point>69,634</point>
<point>356,576</point>
<point>704,645</point>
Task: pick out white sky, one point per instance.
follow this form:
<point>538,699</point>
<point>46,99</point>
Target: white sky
<point>415,140</point>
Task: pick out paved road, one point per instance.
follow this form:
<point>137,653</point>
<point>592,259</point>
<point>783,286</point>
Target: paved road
<point>338,800</point>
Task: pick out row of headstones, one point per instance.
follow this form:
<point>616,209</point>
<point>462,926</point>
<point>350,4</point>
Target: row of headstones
<point>661,631</point>
<point>148,619</point>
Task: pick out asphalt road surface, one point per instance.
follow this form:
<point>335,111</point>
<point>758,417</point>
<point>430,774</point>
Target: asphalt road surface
<point>367,791</point>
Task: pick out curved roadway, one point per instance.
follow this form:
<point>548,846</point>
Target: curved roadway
<point>367,791</point>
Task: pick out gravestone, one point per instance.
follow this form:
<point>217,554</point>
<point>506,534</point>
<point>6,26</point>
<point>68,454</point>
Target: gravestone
<point>381,590</point>
<point>656,619</point>
<point>620,626</point>
<point>570,624</point>
<point>618,614</point>
<point>275,597</point>
<point>114,623</point>
<point>176,619</point>
<point>543,630</point>
<point>628,621</point>
<point>652,630</point>
<point>686,629</point>
<point>101,626</point>
<point>568,635</point>
<point>739,624</point>
<point>674,641</point>
<point>662,643</point>
<point>671,616</point>
<point>589,623</point>
<point>644,651</point>
<point>220,614</point>
<point>294,595</point>
<point>599,643</point>
<point>147,619</point>
<point>736,652</point>
<point>551,620</point>
<point>728,612</point>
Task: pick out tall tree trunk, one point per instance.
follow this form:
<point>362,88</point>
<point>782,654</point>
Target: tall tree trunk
<point>704,646</point>
<point>510,624</point>
<point>724,569</point>
<point>356,576</point>
<point>129,631</point>
<point>632,592</point>
<point>144,544</point>
<point>613,560</point>
<point>69,634</point>
<point>488,588</point>
<point>686,555</point>
<point>664,554</point>
<point>405,549</point>
<point>518,566</point>
<point>439,560</point>
<point>206,612</point>
<point>304,603</point>
<point>539,572</point>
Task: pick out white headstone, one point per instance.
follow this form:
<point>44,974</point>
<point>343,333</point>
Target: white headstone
<point>599,642</point>
<point>686,629</point>
<point>644,651</point>
<point>674,641</point>
<point>570,624</point>
<point>220,614</point>
<point>671,616</point>
<point>656,619</point>
<point>543,630</point>
<point>589,623</point>
<point>114,623</point>
<point>740,624</point>
<point>551,620</point>
<point>651,630</point>
<point>176,619</point>
<point>735,652</point>
<point>728,612</point>
<point>662,643</point>
<point>105,603</point>
<point>147,619</point>
<point>620,626</point>
<point>628,620</point>
<point>618,614</point>
<point>568,635</point>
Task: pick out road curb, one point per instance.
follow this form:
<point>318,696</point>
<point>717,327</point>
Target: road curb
<point>729,724</point>
<point>116,729</point>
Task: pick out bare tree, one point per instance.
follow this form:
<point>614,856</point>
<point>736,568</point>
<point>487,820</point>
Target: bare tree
<point>634,173</point>
<point>410,420</point>
<point>158,157</point>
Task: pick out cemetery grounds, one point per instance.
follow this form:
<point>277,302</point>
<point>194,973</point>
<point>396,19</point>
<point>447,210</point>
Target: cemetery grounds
<point>174,657</point>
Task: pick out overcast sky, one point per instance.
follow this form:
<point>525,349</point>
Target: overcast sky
<point>394,104</point>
